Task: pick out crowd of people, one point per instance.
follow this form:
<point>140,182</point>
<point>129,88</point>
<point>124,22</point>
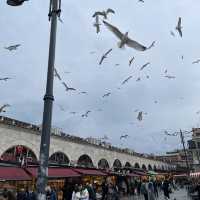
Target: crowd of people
<point>147,190</point>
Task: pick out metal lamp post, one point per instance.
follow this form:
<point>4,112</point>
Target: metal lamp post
<point>54,12</point>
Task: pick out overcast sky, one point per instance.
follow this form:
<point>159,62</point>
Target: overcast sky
<point>178,99</point>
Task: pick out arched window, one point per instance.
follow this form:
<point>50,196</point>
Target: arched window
<point>144,167</point>
<point>154,168</point>
<point>19,153</point>
<point>59,158</point>
<point>150,167</point>
<point>117,163</point>
<point>127,164</point>
<point>103,164</point>
<point>85,161</point>
<point>137,165</point>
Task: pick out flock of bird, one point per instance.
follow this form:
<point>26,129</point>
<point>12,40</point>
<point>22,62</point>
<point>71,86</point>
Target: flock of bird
<point>124,40</point>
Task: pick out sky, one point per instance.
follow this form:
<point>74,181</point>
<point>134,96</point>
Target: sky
<point>178,99</point>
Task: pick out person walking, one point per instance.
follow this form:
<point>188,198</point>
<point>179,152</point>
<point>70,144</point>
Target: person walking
<point>104,190</point>
<point>144,191</point>
<point>50,194</point>
<point>151,190</point>
<point>166,189</point>
<point>155,186</point>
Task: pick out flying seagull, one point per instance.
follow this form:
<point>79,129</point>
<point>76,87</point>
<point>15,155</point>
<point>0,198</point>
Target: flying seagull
<point>86,114</point>
<point>4,79</point>
<point>198,112</point>
<point>152,45</point>
<point>124,39</point>
<point>117,64</point>
<point>131,60</point>
<point>124,136</point>
<point>141,1</point>
<point>140,117</point>
<point>196,61</point>
<point>12,47</point>
<point>145,65</point>
<point>126,80</point>
<point>104,56</point>
<point>170,77</point>
<point>83,92</point>
<point>104,13</point>
<point>2,108</point>
<point>106,95</point>
<point>165,71</point>
<point>68,88</point>
<point>56,74</point>
<point>179,27</point>
<point>97,24</point>
<point>147,76</point>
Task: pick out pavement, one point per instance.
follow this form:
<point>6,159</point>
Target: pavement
<point>178,195</point>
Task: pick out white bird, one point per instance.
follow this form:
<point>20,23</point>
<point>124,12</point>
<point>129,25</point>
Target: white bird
<point>2,108</point>
<point>56,74</point>
<point>145,65</point>
<point>97,24</point>
<point>107,94</point>
<point>104,56</point>
<point>68,88</point>
<point>196,61</point>
<point>86,114</point>
<point>131,60</point>
<point>104,13</point>
<point>179,27</point>
<point>124,39</point>
<point>124,136</point>
<point>126,80</point>
<point>12,47</point>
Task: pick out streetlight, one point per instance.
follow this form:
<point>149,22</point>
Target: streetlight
<point>54,12</point>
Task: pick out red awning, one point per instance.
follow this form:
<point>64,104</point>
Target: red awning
<point>133,175</point>
<point>55,172</point>
<point>13,174</point>
<point>90,172</point>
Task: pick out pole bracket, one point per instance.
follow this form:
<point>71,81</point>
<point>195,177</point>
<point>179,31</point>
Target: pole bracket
<point>51,11</point>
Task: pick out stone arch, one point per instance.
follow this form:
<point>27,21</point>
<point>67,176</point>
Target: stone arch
<point>163,168</point>
<point>150,167</point>
<point>59,158</point>
<point>144,167</point>
<point>154,168</point>
<point>117,163</point>
<point>85,161</point>
<point>127,164</point>
<point>137,165</point>
<point>18,152</point>
<point>103,164</point>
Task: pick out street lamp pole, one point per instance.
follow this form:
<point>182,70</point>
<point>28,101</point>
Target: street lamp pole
<point>54,12</point>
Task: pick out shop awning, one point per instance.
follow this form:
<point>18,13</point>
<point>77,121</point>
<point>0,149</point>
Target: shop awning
<point>55,172</point>
<point>152,173</point>
<point>133,175</point>
<point>180,175</point>
<point>140,173</point>
<point>195,174</point>
<point>89,172</point>
<point>13,174</point>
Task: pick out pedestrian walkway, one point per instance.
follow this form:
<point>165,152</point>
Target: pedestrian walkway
<point>178,195</point>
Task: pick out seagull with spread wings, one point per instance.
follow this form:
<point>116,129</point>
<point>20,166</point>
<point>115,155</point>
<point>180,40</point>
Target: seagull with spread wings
<point>86,114</point>
<point>179,27</point>
<point>5,79</point>
<point>68,88</point>
<point>104,56</point>
<point>145,65</point>
<point>2,108</point>
<point>104,13</point>
<point>124,136</point>
<point>196,61</point>
<point>56,74</point>
<point>131,60</point>
<point>126,80</point>
<point>97,24</point>
<point>107,94</point>
<point>124,39</point>
<point>12,47</point>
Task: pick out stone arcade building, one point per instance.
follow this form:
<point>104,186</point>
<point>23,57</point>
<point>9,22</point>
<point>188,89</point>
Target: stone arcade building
<point>67,149</point>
